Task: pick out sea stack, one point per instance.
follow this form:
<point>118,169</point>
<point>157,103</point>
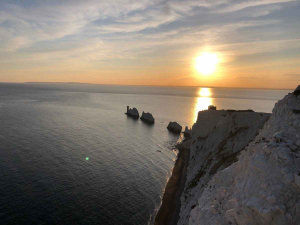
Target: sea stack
<point>147,118</point>
<point>134,113</point>
<point>174,127</point>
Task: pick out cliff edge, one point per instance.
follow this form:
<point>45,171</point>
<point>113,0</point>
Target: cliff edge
<point>238,177</point>
<point>218,137</point>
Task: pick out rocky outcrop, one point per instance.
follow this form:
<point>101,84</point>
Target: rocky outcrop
<point>187,132</point>
<point>134,113</point>
<point>147,117</point>
<point>297,92</point>
<point>174,127</point>
<point>261,185</point>
<point>218,137</point>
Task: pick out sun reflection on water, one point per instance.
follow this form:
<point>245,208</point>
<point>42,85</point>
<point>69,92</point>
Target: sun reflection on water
<point>203,101</point>
<point>204,92</point>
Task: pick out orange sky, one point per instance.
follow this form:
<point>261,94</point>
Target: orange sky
<point>145,42</point>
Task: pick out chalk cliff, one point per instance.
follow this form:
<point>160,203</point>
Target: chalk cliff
<point>237,176</point>
<point>218,137</point>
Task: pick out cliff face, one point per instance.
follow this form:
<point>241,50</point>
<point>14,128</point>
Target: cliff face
<point>263,185</point>
<point>218,137</point>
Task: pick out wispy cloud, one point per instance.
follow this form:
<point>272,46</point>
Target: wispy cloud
<point>233,6</point>
<point>88,33</point>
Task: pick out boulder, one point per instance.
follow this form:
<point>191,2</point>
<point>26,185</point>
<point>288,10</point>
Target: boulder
<point>134,113</point>
<point>174,127</point>
<point>147,117</point>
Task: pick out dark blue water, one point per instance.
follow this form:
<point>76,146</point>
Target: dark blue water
<point>47,131</point>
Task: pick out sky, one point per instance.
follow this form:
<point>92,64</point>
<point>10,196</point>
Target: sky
<point>151,42</point>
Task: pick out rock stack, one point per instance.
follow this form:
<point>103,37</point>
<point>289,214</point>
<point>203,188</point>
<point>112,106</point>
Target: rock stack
<point>134,113</point>
<point>147,117</point>
<point>174,127</point>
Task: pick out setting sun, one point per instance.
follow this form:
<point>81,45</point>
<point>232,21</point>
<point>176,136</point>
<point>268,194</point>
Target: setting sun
<point>206,63</point>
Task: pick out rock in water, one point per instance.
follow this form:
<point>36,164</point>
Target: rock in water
<point>262,186</point>
<point>134,113</point>
<point>147,117</point>
<point>174,127</point>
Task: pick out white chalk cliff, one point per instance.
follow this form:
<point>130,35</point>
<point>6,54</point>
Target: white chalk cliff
<point>238,177</point>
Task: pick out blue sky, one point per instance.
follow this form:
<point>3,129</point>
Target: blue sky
<point>151,42</point>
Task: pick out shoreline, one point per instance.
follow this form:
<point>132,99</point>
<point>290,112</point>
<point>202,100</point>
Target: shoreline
<point>168,213</point>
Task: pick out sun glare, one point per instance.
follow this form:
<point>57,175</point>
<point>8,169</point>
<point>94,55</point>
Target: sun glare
<point>203,101</point>
<point>204,92</point>
<point>206,63</point>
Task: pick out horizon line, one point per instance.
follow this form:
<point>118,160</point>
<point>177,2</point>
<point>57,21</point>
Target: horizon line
<point>41,82</point>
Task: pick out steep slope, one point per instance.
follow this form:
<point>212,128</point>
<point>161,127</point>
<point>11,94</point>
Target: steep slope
<point>218,137</point>
<point>263,186</point>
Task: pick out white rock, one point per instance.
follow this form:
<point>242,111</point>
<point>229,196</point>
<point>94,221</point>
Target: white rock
<point>267,150</point>
<point>279,136</point>
<point>271,199</point>
<point>284,153</point>
<point>297,180</point>
<point>217,134</point>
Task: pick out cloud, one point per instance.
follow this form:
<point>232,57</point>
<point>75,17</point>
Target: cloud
<point>231,6</point>
<point>28,24</point>
<point>50,22</point>
<point>87,34</point>
<point>185,7</point>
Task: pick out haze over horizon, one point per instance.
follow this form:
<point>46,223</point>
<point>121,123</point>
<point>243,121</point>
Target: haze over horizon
<point>179,43</point>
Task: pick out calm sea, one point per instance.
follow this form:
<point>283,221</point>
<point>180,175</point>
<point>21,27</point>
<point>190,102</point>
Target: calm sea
<point>69,154</point>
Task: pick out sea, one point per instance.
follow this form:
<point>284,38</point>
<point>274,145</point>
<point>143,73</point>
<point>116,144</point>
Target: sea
<point>69,154</point>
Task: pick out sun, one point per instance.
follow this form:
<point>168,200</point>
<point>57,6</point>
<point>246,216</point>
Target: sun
<point>206,63</point>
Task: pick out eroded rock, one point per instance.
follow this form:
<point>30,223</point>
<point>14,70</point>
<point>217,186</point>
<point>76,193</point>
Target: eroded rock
<point>134,113</point>
<point>147,117</point>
